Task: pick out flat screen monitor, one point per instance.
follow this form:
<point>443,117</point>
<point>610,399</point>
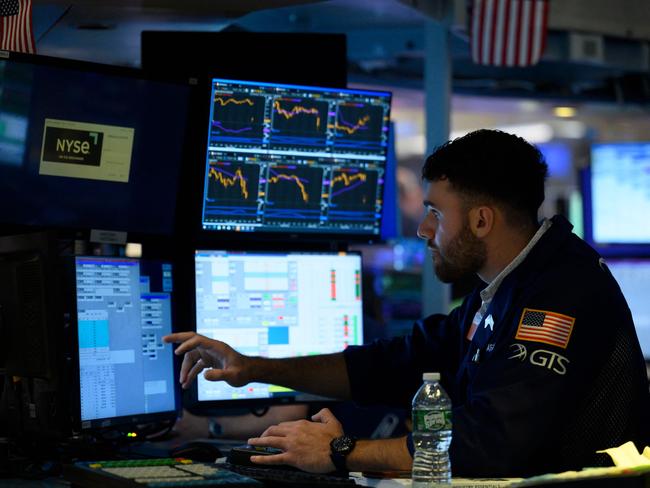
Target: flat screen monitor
<point>633,276</point>
<point>275,305</point>
<point>617,200</point>
<point>126,373</point>
<point>88,146</point>
<point>295,159</point>
<point>305,58</point>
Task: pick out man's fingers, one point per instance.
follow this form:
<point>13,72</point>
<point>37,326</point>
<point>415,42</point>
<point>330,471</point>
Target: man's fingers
<point>271,441</point>
<point>188,363</point>
<point>193,373</point>
<point>271,459</point>
<point>178,337</point>
<point>275,430</point>
<point>190,344</point>
<point>324,416</point>
<point>215,375</point>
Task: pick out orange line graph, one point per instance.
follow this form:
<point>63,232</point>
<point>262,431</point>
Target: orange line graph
<point>225,101</point>
<point>297,109</point>
<point>227,181</point>
<point>360,123</point>
<point>295,179</point>
<point>348,180</point>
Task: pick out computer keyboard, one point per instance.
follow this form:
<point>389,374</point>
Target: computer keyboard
<point>155,473</point>
<point>274,477</point>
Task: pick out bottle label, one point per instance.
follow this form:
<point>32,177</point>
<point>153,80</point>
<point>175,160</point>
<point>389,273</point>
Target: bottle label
<point>432,420</point>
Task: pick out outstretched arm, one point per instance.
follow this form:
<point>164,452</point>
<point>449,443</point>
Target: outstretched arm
<point>321,375</point>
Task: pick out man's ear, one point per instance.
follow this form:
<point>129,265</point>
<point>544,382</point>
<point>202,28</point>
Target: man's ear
<point>481,220</point>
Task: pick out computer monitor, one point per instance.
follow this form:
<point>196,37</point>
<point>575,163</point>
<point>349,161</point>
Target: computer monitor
<point>82,338</point>
<point>292,159</point>
<point>304,58</point>
<point>125,372</point>
<point>275,304</point>
<point>88,146</point>
<point>29,313</point>
<point>633,276</point>
<point>617,198</point>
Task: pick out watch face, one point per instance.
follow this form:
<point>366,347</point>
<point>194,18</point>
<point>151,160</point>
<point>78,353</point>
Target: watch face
<point>343,444</point>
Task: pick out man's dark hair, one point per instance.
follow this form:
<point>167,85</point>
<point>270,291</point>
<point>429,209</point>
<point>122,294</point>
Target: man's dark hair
<point>493,166</point>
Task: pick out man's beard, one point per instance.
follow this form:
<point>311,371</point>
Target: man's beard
<point>463,255</point>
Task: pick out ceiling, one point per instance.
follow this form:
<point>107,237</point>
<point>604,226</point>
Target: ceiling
<point>386,41</point>
<point>386,48</point>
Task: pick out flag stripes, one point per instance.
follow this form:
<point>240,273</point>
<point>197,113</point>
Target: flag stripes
<point>16,29</point>
<point>508,32</point>
<point>547,327</point>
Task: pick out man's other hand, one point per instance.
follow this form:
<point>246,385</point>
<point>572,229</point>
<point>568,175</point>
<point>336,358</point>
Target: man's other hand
<point>201,353</point>
<point>306,444</point>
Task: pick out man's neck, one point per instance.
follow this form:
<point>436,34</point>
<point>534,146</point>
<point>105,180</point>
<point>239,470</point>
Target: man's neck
<point>503,250</point>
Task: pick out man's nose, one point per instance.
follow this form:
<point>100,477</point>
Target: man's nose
<point>425,230</point>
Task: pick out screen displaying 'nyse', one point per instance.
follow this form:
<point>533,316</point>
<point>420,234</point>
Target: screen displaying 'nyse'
<point>87,146</point>
<point>82,150</point>
<point>72,146</point>
<point>287,158</point>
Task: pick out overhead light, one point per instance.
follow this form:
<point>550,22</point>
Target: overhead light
<point>564,112</point>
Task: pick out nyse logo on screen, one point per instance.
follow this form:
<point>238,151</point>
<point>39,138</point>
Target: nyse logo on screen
<point>73,146</point>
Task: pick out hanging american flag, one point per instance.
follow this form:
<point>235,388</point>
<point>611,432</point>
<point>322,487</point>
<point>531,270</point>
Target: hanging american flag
<point>16,26</point>
<point>544,326</point>
<point>508,32</point>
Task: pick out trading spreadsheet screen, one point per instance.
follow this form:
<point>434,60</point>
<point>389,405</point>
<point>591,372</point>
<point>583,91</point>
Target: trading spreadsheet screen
<point>276,305</point>
<point>286,158</point>
<point>620,193</point>
<point>123,310</point>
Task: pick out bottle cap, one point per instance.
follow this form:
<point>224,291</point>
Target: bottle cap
<point>431,376</point>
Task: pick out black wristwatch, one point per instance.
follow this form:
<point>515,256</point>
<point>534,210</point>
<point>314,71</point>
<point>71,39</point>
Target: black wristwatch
<point>340,447</point>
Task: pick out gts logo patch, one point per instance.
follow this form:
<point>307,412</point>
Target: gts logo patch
<point>540,357</point>
<point>72,146</point>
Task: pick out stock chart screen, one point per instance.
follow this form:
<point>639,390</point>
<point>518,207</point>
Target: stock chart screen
<point>287,158</point>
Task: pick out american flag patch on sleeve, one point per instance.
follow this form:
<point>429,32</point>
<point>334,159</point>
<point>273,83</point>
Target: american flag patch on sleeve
<point>544,326</point>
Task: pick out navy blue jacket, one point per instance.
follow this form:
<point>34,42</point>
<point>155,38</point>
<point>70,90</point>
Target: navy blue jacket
<point>557,376</point>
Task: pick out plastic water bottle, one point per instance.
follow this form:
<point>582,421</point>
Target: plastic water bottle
<point>431,434</point>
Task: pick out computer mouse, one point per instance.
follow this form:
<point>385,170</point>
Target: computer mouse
<point>241,456</point>
<point>202,451</point>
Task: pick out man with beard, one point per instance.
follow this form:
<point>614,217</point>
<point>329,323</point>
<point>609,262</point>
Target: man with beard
<point>541,361</point>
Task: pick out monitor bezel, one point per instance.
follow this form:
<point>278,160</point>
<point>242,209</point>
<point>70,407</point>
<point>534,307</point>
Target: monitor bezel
<point>70,304</point>
<point>203,111</point>
<point>191,401</point>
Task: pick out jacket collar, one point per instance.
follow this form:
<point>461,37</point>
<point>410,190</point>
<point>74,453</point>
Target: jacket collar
<point>538,257</point>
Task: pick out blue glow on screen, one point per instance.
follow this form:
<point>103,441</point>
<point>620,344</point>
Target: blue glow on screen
<point>558,158</point>
<point>620,193</point>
